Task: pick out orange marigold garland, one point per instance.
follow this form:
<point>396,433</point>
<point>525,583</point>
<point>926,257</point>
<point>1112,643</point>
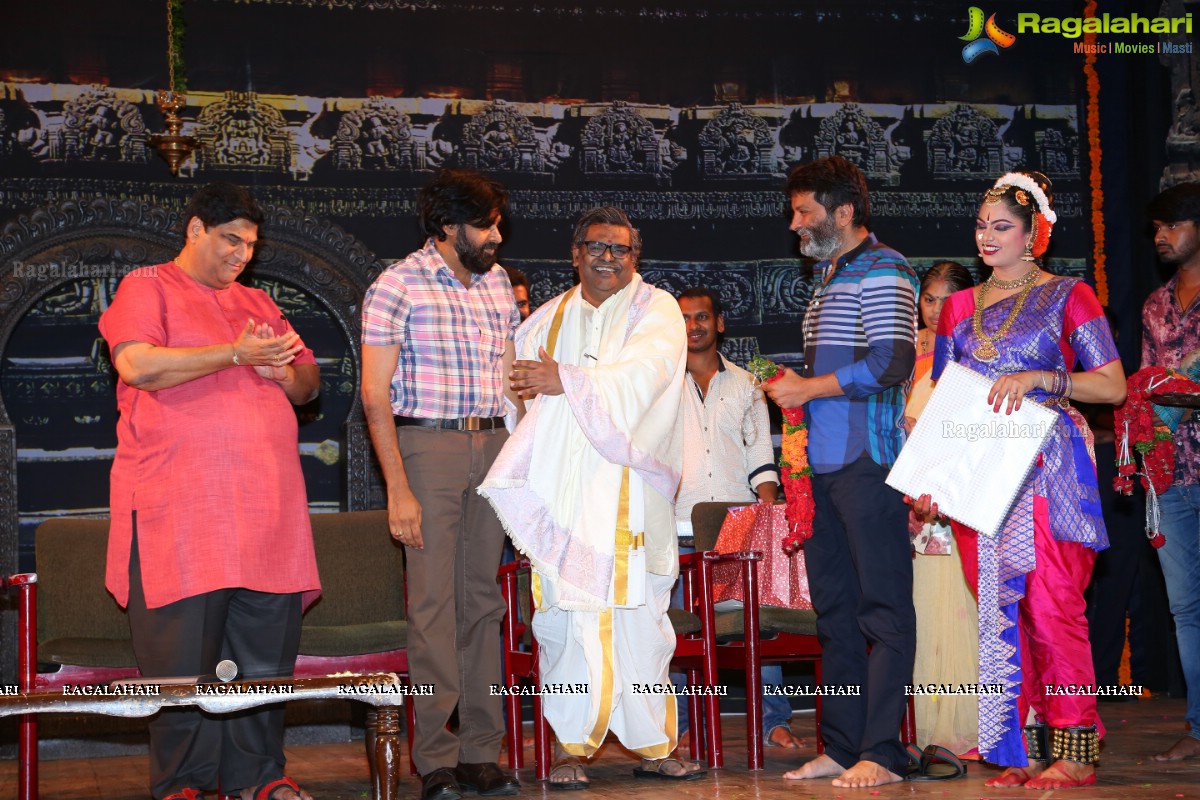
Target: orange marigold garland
<point>1095,178</point>
<point>793,463</point>
<point>1139,431</point>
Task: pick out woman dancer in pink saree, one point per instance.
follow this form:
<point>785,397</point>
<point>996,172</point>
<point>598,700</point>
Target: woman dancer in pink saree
<point>1027,329</point>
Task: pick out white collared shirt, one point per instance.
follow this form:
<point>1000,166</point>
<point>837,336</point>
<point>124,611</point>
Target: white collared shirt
<point>727,448</point>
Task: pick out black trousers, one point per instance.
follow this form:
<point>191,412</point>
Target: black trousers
<point>260,632</point>
<point>860,562</point>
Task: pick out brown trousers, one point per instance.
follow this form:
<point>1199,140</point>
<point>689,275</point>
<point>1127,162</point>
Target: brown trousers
<point>454,602</point>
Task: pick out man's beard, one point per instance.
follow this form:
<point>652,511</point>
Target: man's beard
<point>1175,257</point>
<point>823,240</point>
<point>477,260</point>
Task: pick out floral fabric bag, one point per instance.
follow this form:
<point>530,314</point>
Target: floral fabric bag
<point>782,578</point>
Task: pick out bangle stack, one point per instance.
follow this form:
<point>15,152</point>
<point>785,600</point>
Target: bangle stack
<point>1063,385</point>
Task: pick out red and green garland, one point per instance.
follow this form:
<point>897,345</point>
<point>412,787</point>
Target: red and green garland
<point>1139,430</point>
<point>793,463</point>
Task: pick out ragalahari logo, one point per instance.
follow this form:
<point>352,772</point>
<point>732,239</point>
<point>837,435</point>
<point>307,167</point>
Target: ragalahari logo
<point>977,28</point>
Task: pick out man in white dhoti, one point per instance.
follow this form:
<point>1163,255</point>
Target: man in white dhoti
<point>584,488</point>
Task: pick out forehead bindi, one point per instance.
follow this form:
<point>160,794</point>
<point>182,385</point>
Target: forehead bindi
<point>609,234</point>
<point>990,215</point>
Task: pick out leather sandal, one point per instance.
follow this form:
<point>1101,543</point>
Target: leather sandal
<point>655,772</point>
<point>568,767</point>
<point>938,764</point>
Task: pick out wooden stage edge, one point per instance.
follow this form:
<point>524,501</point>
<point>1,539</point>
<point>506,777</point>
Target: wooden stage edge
<point>339,771</point>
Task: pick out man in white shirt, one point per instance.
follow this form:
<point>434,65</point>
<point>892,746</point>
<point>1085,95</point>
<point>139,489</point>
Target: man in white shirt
<point>727,456</point>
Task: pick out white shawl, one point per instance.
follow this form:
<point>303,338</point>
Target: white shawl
<point>555,485</point>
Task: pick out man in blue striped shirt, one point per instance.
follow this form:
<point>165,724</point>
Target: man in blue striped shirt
<point>859,349</point>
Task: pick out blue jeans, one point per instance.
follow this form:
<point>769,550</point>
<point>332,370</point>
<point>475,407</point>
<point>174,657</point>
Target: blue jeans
<point>1180,560</point>
<point>776,708</point>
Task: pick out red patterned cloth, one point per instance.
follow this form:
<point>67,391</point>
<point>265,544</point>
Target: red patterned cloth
<point>782,578</point>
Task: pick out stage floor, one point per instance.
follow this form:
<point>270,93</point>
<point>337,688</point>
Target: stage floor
<point>339,772</point>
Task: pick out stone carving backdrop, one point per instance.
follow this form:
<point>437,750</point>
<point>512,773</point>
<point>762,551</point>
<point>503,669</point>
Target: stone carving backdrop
<point>687,114</point>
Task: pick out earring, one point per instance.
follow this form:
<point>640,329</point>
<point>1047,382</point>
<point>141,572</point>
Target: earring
<point>1029,252</point>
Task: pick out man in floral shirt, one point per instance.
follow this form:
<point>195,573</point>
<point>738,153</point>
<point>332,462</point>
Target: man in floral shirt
<point>1171,338</point>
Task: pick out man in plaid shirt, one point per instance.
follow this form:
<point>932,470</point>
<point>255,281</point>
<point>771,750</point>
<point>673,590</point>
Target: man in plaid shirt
<point>437,340</point>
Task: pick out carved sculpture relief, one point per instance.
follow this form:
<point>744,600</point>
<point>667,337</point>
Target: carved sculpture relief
<point>620,142</point>
<point>239,132</point>
<point>613,142</point>
<point>740,349</point>
<point>1183,65</point>
<point>501,139</point>
<point>852,134</point>
<point>22,132</point>
<point>737,144</point>
<point>99,126</point>
<point>1058,153</point>
<point>964,144</point>
<point>376,136</point>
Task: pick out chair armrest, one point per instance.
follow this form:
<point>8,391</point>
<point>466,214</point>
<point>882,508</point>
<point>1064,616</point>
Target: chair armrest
<point>13,582</point>
<point>690,560</point>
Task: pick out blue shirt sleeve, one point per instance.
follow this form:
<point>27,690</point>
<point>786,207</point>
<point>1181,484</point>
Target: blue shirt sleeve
<point>889,313</point>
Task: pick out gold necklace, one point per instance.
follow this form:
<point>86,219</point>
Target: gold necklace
<point>923,341</point>
<point>986,349</point>
<point>1016,283</point>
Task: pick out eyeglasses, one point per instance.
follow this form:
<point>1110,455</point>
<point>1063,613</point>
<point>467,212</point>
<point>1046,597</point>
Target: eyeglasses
<point>596,249</point>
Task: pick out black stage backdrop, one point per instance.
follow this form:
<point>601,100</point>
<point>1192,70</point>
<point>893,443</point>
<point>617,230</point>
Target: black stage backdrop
<point>686,114</point>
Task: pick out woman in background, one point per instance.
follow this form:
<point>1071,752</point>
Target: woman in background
<point>947,617</point>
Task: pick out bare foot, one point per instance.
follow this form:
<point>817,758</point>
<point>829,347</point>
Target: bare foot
<point>781,736</point>
<point>1017,776</point>
<point>820,767</point>
<point>864,774</point>
<point>280,792</point>
<point>1187,747</point>
<point>1063,775</point>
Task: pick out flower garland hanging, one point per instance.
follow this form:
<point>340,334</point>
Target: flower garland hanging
<point>796,473</point>
<point>1095,177</point>
<point>1140,431</point>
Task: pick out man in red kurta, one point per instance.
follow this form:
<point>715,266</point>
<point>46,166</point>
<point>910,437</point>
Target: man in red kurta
<point>210,547</point>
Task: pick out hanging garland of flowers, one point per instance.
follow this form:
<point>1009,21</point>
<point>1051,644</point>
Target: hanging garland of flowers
<point>793,463</point>
<point>176,32</point>
<point>1094,155</point>
<point>1140,432</point>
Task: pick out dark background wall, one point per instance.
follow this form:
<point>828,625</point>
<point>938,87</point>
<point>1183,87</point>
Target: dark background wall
<point>687,114</point>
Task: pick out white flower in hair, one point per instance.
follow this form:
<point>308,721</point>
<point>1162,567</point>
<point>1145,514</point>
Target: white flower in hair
<point>1029,185</point>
